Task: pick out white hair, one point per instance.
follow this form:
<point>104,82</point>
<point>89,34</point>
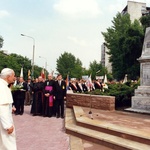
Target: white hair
<point>5,72</point>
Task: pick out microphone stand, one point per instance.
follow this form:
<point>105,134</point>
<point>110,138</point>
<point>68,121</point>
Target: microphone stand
<point>90,112</point>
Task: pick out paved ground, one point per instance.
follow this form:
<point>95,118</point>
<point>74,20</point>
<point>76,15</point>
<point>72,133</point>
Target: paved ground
<point>140,122</point>
<point>43,133</point>
<point>40,133</point>
<point>122,118</point>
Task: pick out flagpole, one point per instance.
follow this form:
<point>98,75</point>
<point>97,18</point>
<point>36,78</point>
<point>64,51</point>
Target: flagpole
<point>90,85</point>
<point>90,112</point>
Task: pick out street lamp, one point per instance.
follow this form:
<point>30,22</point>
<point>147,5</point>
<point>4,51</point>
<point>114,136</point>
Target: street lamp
<point>33,53</point>
<point>45,62</point>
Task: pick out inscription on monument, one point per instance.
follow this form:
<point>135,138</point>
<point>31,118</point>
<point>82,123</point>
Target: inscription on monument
<point>148,44</point>
<point>146,75</point>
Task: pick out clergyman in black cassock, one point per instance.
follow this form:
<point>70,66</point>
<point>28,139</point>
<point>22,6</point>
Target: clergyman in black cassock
<point>49,107</point>
<point>38,97</point>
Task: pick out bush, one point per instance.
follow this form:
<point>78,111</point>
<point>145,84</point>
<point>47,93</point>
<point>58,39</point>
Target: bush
<point>122,92</point>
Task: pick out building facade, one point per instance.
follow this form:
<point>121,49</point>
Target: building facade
<point>136,10</point>
<point>105,58</point>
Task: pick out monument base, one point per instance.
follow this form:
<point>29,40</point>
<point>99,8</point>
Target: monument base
<point>141,101</point>
<point>138,110</point>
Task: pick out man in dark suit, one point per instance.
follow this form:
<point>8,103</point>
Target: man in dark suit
<point>19,96</point>
<point>28,94</point>
<point>60,96</point>
<point>98,84</point>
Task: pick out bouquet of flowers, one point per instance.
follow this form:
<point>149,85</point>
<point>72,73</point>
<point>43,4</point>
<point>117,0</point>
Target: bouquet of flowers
<point>17,88</point>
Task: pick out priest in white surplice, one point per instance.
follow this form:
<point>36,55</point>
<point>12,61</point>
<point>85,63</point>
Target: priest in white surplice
<point>7,130</point>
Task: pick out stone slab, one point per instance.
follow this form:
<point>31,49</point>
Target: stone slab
<point>107,139</point>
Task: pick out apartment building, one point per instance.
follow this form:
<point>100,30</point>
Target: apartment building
<point>136,10</point>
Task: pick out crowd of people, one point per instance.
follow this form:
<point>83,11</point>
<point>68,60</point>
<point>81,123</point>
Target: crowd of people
<point>46,97</point>
<point>82,85</point>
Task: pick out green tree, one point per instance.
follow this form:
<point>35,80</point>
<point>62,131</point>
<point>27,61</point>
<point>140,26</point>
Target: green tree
<point>15,62</point>
<point>124,41</point>
<point>67,63</point>
<point>18,61</point>
<point>96,69</point>
<point>1,42</point>
<point>145,21</point>
<point>132,47</point>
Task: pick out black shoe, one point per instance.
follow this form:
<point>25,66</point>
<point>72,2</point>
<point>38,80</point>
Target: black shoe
<point>62,117</point>
<point>57,116</point>
<point>17,114</point>
<point>21,114</point>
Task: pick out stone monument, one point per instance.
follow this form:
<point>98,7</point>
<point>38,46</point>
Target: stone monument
<point>141,99</point>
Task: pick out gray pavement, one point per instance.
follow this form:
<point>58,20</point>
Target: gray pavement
<point>40,133</point>
<point>43,133</point>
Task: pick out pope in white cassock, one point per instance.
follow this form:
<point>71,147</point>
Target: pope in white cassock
<point>7,130</point>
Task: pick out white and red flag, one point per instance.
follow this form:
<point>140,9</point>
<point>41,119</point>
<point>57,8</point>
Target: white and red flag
<point>43,73</point>
<point>21,72</point>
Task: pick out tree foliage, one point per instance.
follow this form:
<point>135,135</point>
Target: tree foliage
<point>15,62</point>
<point>145,21</point>
<point>124,41</point>
<point>68,64</point>
<point>1,42</point>
<point>96,69</point>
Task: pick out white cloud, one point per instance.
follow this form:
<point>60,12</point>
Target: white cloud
<point>3,13</point>
<point>78,8</point>
<point>77,41</point>
<point>114,7</point>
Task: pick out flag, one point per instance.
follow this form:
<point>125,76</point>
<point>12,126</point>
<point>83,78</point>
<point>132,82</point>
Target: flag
<point>29,74</point>
<point>52,73</point>
<point>105,79</point>
<point>43,73</point>
<point>125,79</point>
<point>89,83</point>
<point>67,82</point>
<point>21,72</point>
<point>105,86</point>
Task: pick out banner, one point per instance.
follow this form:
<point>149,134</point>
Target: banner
<point>85,77</point>
<point>99,77</point>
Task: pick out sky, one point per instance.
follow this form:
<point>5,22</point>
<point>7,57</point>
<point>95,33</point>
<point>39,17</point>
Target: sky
<point>57,26</point>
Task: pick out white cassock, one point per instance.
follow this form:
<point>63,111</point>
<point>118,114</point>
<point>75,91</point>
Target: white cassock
<point>7,141</point>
